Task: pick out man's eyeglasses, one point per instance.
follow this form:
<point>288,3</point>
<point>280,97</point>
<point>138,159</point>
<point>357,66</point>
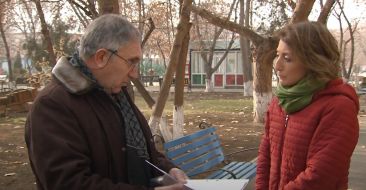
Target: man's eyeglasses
<point>130,63</point>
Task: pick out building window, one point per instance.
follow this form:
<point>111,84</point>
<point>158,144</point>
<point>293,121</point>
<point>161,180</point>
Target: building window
<point>198,79</point>
<point>239,62</point>
<point>230,79</point>
<point>216,59</point>
<point>230,65</point>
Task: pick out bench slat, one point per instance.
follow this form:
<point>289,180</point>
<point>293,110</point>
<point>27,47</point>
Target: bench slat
<point>206,166</point>
<point>203,159</point>
<point>200,151</point>
<point>189,146</point>
<point>191,137</point>
<point>196,152</point>
<point>241,170</point>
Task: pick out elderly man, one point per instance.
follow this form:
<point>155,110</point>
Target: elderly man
<point>83,131</point>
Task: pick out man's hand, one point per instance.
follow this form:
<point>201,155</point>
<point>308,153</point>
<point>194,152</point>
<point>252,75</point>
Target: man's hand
<point>179,175</point>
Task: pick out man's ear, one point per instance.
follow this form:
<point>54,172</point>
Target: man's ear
<point>100,59</point>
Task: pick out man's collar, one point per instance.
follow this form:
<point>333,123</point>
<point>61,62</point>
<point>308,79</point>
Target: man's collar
<point>71,77</point>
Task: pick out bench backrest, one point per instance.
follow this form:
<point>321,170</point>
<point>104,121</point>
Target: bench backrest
<point>197,152</point>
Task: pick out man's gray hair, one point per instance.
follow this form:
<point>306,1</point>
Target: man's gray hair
<point>108,31</point>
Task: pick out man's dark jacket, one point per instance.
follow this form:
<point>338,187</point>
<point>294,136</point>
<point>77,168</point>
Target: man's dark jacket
<point>75,136</point>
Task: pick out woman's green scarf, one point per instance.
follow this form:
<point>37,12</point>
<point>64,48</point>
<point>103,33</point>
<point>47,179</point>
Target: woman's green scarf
<point>294,98</point>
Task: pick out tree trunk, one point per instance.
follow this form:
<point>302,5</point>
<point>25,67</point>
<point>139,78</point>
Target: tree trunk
<point>178,112</point>
<point>144,93</point>
<point>108,7</point>
<point>138,84</point>
<point>160,128</point>
<point>261,46</point>
<point>7,51</point>
<point>263,53</point>
<point>352,39</point>
<point>302,10</point>
<point>46,34</point>
<point>141,24</point>
<point>30,17</point>
<point>178,121</point>
<point>248,88</point>
<point>207,57</point>
<point>182,30</point>
<point>323,16</point>
<point>80,16</point>
<point>209,84</point>
<point>245,51</point>
<point>263,56</point>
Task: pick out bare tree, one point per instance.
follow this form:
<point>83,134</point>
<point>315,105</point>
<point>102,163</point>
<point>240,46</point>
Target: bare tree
<point>178,111</point>
<point>325,10</point>
<point>160,42</point>
<point>346,72</point>
<point>208,45</point>
<point>3,7</point>
<point>138,84</point>
<point>25,20</point>
<point>46,33</point>
<point>107,6</point>
<point>244,19</point>
<point>86,6</point>
<point>83,20</point>
<point>182,31</point>
<point>263,53</point>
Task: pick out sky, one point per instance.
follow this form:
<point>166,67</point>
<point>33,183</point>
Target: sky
<point>354,11</point>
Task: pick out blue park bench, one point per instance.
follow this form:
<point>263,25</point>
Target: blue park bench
<point>201,151</point>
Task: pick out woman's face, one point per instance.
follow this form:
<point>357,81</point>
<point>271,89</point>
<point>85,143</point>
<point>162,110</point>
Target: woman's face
<point>289,68</point>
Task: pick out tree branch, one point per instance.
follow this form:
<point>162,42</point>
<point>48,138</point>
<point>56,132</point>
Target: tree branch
<point>147,35</point>
<point>86,11</point>
<point>324,14</point>
<point>228,25</point>
<point>292,4</point>
<point>302,10</point>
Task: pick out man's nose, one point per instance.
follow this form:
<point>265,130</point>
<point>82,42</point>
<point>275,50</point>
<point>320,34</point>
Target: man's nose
<point>134,72</point>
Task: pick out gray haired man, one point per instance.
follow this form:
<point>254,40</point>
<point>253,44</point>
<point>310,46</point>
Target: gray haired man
<point>83,130</point>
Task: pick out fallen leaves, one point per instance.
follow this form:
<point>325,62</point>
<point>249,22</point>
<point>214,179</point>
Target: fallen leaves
<point>9,174</point>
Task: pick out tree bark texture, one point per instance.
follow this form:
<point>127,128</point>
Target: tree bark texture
<point>178,112</point>
<point>352,39</point>
<point>323,16</point>
<point>263,56</point>
<point>302,10</point>
<point>138,84</point>
<point>178,122</point>
<point>245,50</point>
<point>209,83</point>
<point>229,25</point>
<point>46,33</point>
<point>144,93</point>
<point>263,53</point>
<point>261,105</point>
<point>7,50</point>
<point>181,71</point>
<point>182,30</point>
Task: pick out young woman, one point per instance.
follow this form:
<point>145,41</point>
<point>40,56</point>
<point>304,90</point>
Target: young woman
<point>311,126</point>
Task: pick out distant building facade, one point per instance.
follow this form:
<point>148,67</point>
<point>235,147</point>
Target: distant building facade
<point>228,75</point>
